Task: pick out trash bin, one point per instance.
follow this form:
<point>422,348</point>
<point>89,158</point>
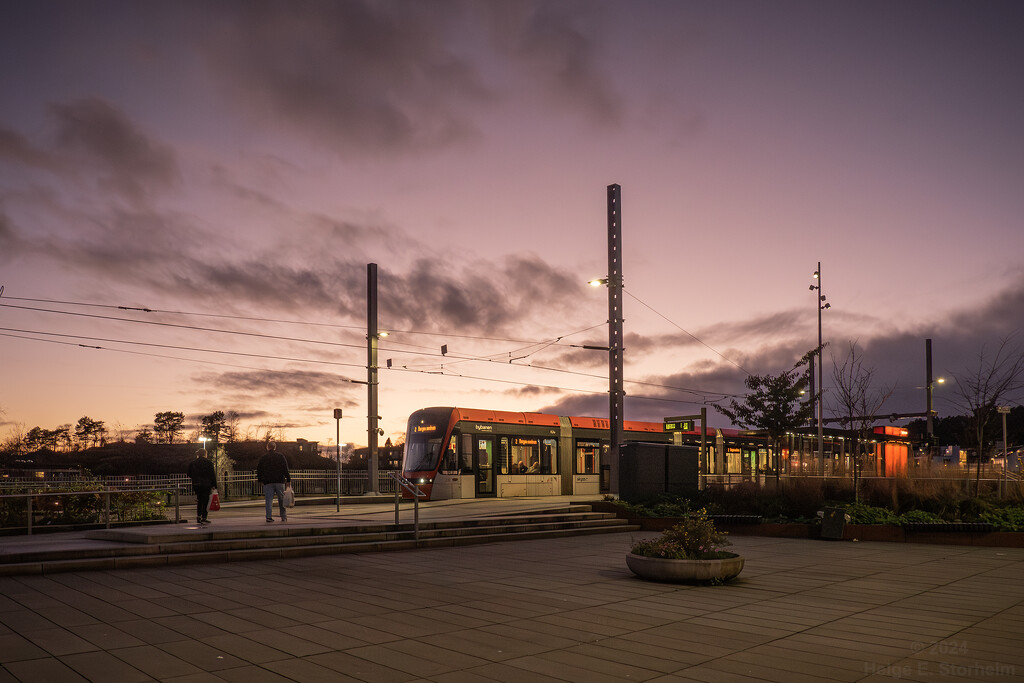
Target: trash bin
<point>833,521</point>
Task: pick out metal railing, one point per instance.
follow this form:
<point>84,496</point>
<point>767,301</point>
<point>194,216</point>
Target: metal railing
<point>76,508</point>
<point>403,483</point>
<point>239,484</point>
<point>991,483</point>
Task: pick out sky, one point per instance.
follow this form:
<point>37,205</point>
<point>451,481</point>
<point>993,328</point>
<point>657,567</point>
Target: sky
<point>190,193</point>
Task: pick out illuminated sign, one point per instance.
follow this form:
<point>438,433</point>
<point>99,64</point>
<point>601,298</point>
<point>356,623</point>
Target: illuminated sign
<point>484,428</point>
<point>424,428</point>
<point>679,426</point>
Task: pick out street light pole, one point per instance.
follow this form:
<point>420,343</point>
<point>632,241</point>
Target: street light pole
<point>820,303</point>
<point>337,465</point>
<point>1003,410</point>
<point>371,377</point>
<point>615,350</point>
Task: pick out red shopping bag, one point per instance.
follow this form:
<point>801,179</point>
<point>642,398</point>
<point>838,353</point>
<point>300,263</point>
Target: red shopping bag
<point>214,502</point>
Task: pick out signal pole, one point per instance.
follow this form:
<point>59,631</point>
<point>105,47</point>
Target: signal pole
<point>371,378</point>
<point>615,350</point>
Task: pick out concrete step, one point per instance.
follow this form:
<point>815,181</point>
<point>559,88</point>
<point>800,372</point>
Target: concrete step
<point>282,541</point>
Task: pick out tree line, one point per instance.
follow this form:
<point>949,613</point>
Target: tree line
<point>168,427</point>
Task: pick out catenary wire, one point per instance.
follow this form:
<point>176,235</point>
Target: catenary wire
<point>6,333</point>
<point>678,327</point>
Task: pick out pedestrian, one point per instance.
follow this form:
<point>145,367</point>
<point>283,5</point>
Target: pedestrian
<point>204,480</point>
<point>272,472</point>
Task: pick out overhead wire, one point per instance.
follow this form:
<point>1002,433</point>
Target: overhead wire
<point>455,358</point>
<point>680,328</point>
<point>7,332</point>
<point>188,360</point>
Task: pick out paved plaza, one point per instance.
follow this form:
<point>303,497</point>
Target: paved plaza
<point>541,610</point>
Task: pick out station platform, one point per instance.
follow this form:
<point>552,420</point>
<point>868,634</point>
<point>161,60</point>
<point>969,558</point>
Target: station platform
<point>556,609</point>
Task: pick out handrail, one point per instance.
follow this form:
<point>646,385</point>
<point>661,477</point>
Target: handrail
<point>416,494</point>
<point>105,492</point>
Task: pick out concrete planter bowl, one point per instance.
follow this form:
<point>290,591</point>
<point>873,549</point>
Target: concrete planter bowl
<point>684,571</point>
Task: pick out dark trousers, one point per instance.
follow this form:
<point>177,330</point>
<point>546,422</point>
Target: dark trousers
<point>202,501</point>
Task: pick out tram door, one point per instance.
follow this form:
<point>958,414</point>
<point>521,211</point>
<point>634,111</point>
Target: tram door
<point>484,466</point>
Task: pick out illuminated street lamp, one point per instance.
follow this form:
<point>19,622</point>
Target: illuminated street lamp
<point>821,306</point>
<point>204,439</point>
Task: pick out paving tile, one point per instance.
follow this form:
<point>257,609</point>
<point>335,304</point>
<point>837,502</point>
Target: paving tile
<point>103,666</point>
<point>149,631</point>
<point>59,641</point>
<point>245,649</point>
<point>189,626</point>
<point>627,654</point>
<point>568,669</point>
<point>285,642</point>
<point>252,674</point>
<point>21,620</point>
<point>67,616</point>
<point>155,662</point>
<point>404,625</point>
<point>48,669</point>
<point>202,654</point>
<point>498,672</point>
<point>229,623</point>
<point>417,658</point>
<point>335,663</point>
<point>331,640</point>
<point>15,648</point>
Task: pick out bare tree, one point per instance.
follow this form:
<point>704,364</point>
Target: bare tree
<point>981,387</point>
<point>232,426</point>
<point>121,433</point>
<point>14,444</point>
<point>857,401</point>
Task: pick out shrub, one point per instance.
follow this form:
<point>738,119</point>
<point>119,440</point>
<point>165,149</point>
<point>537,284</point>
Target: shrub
<point>861,513</point>
<point>1004,519</point>
<point>919,517</point>
<point>695,538</point>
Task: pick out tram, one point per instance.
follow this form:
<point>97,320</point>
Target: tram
<point>470,453</point>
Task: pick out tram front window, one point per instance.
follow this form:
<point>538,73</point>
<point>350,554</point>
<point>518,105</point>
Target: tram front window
<point>423,440</point>
<point>422,455</point>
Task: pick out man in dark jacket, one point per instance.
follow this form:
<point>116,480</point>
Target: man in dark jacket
<point>272,472</point>
<point>204,480</point>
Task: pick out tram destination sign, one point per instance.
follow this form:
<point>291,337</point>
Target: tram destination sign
<point>675,424</point>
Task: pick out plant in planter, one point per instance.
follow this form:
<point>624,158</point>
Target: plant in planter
<point>689,551</point>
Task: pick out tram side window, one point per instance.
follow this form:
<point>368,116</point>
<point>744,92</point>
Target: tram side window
<point>466,453</point>
<point>587,456</point>
<point>505,463</point>
<point>525,458</point>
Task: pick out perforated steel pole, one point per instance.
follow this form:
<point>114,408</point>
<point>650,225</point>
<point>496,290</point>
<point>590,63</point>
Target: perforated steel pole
<point>615,350</point>
<point>372,485</point>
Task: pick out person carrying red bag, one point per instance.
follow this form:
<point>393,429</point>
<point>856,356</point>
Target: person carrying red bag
<point>204,480</point>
